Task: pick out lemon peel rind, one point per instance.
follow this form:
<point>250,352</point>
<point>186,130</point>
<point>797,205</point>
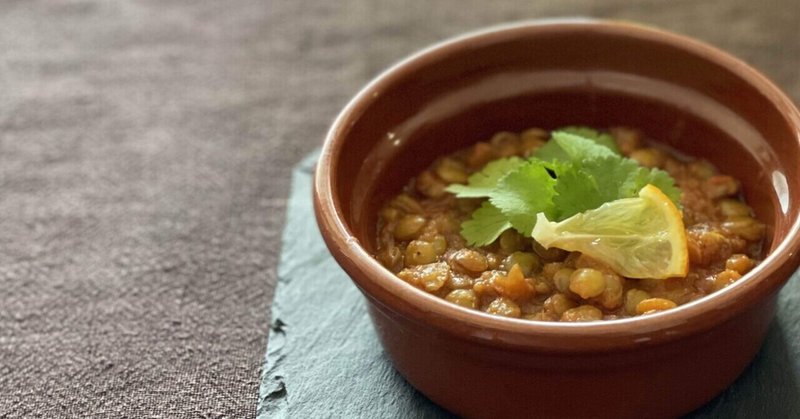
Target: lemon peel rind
<point>680,264</point>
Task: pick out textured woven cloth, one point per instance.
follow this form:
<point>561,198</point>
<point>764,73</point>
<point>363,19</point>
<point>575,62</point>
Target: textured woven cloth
<point>145,152</point>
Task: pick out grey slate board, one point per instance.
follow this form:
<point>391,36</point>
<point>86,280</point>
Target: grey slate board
<point>324,360</point>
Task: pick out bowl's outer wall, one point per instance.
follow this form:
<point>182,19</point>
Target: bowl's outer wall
<point>490,382</point>
<point>693,98</point>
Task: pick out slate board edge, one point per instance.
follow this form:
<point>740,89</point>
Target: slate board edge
<point>272,387</point>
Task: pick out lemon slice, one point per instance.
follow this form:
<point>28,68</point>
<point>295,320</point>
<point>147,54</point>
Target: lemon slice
<point>640,237</point>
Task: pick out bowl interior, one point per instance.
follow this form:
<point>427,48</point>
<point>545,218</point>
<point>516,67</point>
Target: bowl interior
<point>678,92</point>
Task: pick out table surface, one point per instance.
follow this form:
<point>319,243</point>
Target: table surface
<point>145,154</point>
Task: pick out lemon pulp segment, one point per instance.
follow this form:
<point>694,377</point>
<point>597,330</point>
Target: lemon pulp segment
<point>641,237</point>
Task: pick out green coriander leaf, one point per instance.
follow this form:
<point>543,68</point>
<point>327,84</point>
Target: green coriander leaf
<point>523,193</point>
<point>577,170</point>
<point>611,176</point>
<point>551,151</point>
<point>576,191</point>
<point>631,178</point>
<point>662,180</point>
<point>480,184</point>
<point>485,226</point>
<point>587,184</point>
<point>554,150</point>
<point>577,148</point>
<point>598,137</point>
<point>635,181</point>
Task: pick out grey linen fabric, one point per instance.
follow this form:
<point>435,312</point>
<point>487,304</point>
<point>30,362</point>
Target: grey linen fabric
<point>145,152</point>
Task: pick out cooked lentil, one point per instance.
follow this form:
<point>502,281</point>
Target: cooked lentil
<point>419,240</point>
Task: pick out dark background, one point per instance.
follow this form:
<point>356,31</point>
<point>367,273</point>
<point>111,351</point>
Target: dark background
<point>145,149</point>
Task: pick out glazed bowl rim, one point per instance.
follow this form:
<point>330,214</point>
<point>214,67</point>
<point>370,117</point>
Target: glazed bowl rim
<point>383,287</point>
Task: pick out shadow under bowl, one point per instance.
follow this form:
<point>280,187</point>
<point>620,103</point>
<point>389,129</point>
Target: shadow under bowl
<point>683,93</point>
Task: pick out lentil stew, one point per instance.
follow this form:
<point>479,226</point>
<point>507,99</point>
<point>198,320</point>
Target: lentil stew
<point>419,240</point>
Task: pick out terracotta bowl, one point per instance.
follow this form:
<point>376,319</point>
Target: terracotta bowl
<point>684,93</point>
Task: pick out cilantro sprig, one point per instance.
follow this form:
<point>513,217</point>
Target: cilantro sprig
<point>481,184</point>
<point>577,170</point>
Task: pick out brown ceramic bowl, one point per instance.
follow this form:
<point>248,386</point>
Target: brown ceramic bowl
<point>686,94</point>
